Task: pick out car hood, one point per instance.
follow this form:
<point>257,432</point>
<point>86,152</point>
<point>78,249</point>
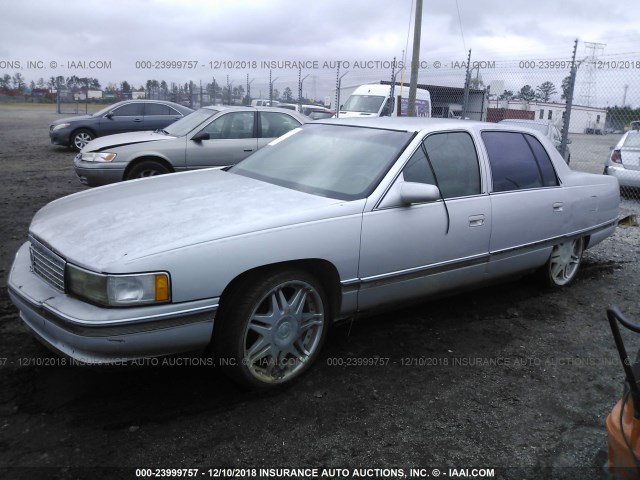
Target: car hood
<point>70,119</point>
<point>105,228</point>
<point>121,139</point>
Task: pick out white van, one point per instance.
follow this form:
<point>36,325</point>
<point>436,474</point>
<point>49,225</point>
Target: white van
<point>373,100</point>
<point>264,103</point>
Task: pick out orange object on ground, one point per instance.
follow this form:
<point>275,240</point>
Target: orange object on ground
<point>624,440</point>
<point>623,423</point>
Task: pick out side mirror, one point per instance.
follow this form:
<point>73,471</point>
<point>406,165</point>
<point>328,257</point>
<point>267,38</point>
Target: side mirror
<point>200,136</point>
<point>412,192</point>
<point>568,141</point>
<point>109,115</point>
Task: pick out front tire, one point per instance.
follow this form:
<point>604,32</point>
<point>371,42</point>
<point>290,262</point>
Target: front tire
<point>80,138</point>
<point>271,328</point>
<point>148,168</point>
<point>562,267</point>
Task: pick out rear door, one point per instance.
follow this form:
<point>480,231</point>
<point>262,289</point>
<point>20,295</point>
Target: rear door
<point>529,207</point>
<point>232,137</point>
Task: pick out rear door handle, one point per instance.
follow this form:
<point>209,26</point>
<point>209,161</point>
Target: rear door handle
<point>558,207</point>
<point>248,149</point>
<point>476,220</point>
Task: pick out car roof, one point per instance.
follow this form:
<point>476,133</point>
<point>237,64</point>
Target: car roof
<point>409,124</point>
<point>421,124</point>
<point>525,120</point>
<point>145,100</point>
<point>245,108</point>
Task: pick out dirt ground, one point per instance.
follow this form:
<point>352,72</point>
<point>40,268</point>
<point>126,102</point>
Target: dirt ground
<point>513,377</point>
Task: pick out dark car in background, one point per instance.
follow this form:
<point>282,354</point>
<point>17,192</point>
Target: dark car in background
<point>127,116</point>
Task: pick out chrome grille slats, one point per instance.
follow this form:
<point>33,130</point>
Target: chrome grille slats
<point>47,264</point>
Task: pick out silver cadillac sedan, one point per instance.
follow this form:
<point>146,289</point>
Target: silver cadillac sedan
<point>252,264</point>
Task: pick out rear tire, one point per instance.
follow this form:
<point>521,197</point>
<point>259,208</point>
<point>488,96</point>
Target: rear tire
<point>271,328</point>
<point>148,168</point>
<point>564,262</point>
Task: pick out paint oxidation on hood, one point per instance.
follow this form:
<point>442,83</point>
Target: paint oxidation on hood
<point>121,222</point>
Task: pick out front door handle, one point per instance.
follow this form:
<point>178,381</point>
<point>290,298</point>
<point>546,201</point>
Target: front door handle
<point>558,207</point>
<point>476,220</point>
<point>248,149</point>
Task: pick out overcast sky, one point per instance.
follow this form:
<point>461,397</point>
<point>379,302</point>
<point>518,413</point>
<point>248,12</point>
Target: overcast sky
<point>216,33</point>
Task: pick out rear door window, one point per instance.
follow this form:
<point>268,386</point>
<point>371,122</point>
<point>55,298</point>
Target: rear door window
<point>158,109</point>
<point>275,124</point>
<point>518,162</point>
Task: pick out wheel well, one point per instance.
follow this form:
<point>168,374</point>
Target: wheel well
<point>88,129</point>
<point>324,271</point>
<point>136,161</point>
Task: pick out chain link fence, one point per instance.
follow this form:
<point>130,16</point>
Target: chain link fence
<point>598,94</point>
<point>604,93</point>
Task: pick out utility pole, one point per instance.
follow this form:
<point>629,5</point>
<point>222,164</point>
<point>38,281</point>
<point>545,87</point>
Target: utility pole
<point>338,86</point>
<point>415,60</point>
<point>567,111</point>
<point>467,83</point>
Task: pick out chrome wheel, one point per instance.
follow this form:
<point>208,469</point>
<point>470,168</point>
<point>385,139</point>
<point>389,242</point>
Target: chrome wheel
<point>283,332</point>
<point>564,262</point>
<point>270,327</point>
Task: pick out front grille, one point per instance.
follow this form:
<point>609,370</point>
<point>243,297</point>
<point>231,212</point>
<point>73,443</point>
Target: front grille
<point>47,264</point>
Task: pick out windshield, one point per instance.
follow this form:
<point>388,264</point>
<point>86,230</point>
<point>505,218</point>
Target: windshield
<point>188,123</point>
<point>335,161</point>
<point>106,110</point>
<point>363,103</point>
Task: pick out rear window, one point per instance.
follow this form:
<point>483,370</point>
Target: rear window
<point>518,161</point>
<point>632,140</point>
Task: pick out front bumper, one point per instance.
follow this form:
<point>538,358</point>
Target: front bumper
<point>95,174</point>
<point>97,335</point>
<point>60,137</point>
<point>626,177</point>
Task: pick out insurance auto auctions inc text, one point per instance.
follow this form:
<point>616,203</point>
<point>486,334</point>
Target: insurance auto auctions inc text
<point>348,473</point>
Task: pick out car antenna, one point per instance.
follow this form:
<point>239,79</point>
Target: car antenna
<point>433,172</point>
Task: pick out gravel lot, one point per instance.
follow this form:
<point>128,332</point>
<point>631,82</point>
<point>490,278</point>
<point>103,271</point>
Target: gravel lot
<point>513,377</point>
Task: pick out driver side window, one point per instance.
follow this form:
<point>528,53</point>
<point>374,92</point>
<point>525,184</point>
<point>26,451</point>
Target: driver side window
<point>453,159</point>
<point>129,110</point>
<point>232,125</point>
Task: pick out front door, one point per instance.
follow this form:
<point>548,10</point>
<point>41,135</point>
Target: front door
<point>408,251</point>
<point>231,138</point>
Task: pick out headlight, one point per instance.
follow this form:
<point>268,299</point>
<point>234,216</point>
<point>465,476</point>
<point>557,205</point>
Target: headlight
<point>59,126</point>
<point>118,290</point>
<point>98,157</point>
